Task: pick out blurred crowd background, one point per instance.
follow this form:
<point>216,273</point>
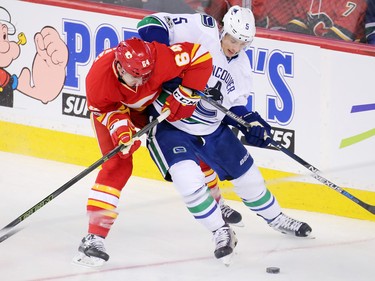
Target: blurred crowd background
<point>346,20</point>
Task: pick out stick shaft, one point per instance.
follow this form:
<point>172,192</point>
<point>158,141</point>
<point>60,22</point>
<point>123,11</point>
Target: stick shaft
<point>78,177</point>
<point>315,172</point>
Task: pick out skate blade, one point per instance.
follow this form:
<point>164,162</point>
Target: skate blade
<point>227,260</point>
<point>310,236</point>
<point>83,260</point>
<point>239,224</point>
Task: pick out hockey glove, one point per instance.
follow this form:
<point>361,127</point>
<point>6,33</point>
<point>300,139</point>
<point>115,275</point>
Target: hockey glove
<point>122,132</point>
<point>181,103</point>
<point>259,132</point>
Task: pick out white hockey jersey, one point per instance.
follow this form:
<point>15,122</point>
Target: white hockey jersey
<point>232,80</point>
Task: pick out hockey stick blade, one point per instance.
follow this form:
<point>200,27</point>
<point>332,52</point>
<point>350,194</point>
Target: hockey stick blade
<point>316,175</point>
<point>315,172</point>
<point>9,233</point>
<point>8,228</point>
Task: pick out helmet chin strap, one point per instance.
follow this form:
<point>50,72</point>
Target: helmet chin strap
<point>222,33</point>
<point>115,69</point>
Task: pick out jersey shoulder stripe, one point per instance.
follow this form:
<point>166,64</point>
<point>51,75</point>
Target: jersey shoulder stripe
<point>199,54</point>
<point>150,21</point>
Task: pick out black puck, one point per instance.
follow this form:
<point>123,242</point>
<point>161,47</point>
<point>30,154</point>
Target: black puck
<point>273,270</point>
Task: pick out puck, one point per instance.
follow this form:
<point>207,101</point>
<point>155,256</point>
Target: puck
<point>273,270</point>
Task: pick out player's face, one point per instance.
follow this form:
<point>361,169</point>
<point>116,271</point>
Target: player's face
<point>129,79</point>
<point>232,46</point>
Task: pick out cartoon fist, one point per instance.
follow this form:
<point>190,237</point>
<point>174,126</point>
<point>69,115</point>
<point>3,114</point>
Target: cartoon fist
<point>47,77</point>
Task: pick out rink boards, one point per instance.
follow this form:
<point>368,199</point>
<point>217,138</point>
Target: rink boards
<point>290,190</point>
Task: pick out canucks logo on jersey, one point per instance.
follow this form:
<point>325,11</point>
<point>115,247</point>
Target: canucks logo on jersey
<point>215,94</point>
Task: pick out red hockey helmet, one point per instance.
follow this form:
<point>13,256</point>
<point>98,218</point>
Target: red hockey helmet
<point>135,57</point>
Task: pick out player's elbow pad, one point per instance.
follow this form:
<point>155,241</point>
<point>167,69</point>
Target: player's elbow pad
<point>154,33</point>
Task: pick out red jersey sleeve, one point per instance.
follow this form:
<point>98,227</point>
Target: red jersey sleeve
<point>102,84</point>
<point>191,62</point>
<point>200,69</point>
<point>348,19</point>
<point>102,91</point>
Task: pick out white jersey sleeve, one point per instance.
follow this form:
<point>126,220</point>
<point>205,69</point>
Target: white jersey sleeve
<point>196,28</point>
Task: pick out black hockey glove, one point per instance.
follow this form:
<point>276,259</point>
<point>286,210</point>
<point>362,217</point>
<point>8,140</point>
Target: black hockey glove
<point>258,134</point>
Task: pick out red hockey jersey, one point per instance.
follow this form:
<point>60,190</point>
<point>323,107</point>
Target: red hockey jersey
<point>340,19</point>
<point>106,94</point>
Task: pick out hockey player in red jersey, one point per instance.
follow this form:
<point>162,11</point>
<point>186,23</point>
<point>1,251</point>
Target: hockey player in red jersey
<point>120,84</point>
<point>339,19</point>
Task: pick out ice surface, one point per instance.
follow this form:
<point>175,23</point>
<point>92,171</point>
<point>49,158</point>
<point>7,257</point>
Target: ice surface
<point>155,237</point>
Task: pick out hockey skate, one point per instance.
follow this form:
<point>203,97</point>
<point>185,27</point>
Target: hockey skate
<point>290,226</point>
<point>231,216</point>
<point>226,241</point>
<point>91,252</point>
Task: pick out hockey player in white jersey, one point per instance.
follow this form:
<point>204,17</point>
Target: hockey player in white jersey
<point>178,147</point>
<point>200,28</point>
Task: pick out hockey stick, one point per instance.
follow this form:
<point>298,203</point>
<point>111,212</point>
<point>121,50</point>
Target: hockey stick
<point>8,228</point>
<point>315,172</point>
